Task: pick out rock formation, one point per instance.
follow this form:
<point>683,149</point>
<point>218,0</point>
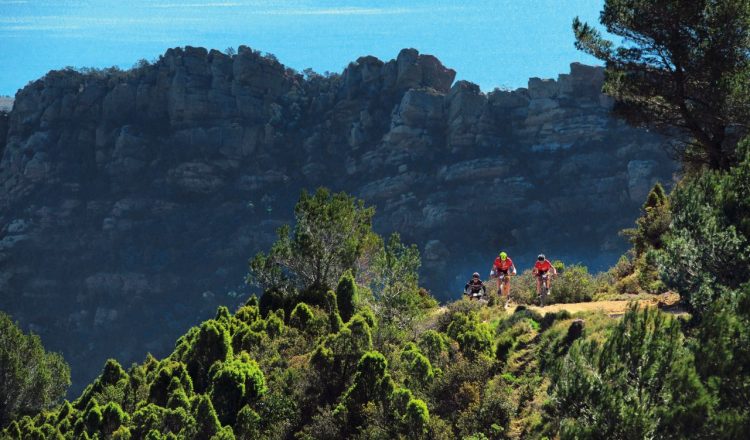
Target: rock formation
<point>130,201</point>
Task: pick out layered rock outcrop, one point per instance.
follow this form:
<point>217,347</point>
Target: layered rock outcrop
<point>130,201</point>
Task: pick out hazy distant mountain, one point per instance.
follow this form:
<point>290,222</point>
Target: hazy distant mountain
<point>6,103</point>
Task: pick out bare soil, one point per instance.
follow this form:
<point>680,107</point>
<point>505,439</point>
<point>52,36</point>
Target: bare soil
<point>669,302</point>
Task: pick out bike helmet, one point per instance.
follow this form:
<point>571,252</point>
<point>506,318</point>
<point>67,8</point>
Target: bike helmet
<point>475,275</point>
<point>503,255</point>
<point>540,257</point>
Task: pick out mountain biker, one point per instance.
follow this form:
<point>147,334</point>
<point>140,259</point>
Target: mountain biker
<point>503,265</point>
<point>474,286</point>
<point>541,267</point>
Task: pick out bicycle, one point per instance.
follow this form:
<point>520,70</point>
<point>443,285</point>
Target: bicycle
<point>544,290</point>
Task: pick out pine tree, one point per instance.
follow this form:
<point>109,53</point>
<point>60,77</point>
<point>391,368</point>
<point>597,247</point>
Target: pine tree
<point>641,383</point>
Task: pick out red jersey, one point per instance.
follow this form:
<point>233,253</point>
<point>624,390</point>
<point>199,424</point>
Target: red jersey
<point>503,265</point>
<point>542,266</point>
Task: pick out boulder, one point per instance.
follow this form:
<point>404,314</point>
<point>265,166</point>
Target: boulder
<point>420,108</point>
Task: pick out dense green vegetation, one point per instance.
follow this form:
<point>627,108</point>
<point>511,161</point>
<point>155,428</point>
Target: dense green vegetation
<point>344,344</point>
<point>30,378</point>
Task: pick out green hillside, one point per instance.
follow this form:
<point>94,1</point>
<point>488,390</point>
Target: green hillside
<point>344,343</point>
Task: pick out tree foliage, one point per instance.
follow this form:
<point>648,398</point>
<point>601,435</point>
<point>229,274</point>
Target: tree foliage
<point>327,239</point>
<point>707,251</point>
<point>683,65</point>
<point>653,222</point>
<point>31,379</point>
<point>394,283</point>
<point>641,383</point>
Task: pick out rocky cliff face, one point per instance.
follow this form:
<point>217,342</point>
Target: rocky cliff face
<point>130,201</point>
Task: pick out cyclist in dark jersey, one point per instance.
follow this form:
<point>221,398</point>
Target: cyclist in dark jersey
<point>475,285</point>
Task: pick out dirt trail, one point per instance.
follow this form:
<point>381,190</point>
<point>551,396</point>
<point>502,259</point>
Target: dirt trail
<point>607,307</point>
<point>669,302</point>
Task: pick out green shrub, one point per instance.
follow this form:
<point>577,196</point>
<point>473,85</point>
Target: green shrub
<point>476,342</point>
<point>549,318</point>
<point>573,284</point>
<point>225,433</point>
<point>418,367</point>
<point>301,317</point>
<point>435,346</point>
<point>653,223</point>
<point>212,343</point>
<point>93,416</point>
<point>247,314</point>
<point>234,384</point>
<point>417,418</point>
<point>628,284</point>
<point>168,370</point>
<point>523,288</point>
<point>275,324</point>
<point>334,317</point>
<point>346,294</point>
<point>112,418</point>
<point>369,317</point>
<point>178,398</point>
<point>248,424</point>
<point>462,306</point>
<point>207,423</point>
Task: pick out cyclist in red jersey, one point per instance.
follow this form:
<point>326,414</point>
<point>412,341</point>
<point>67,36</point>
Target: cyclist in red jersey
<point>503,264</point>
<point>541,267</point>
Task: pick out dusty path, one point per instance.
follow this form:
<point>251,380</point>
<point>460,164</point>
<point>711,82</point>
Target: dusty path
<point>612,308</point>
<point>669,302</point>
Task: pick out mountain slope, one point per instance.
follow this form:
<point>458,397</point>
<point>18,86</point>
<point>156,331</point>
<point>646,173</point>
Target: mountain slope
<point>128,193</point>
